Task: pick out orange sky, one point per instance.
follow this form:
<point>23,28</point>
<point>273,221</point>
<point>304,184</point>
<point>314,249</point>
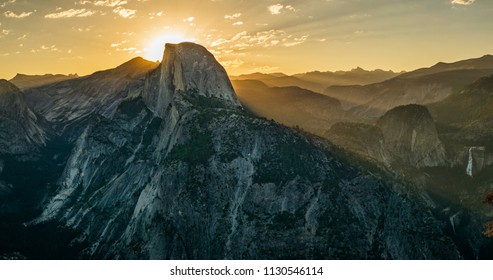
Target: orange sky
<point>81,36</point>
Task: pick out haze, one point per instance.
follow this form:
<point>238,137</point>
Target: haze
<point>55,36</point>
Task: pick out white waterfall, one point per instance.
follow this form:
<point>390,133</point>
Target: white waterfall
<point>469,163</point>
<point>452,220</point>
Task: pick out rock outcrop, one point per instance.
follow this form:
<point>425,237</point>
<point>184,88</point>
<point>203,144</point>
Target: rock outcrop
<point>411,137</point>
<point>19,129</point>
<point>364,139</point>
<point>188,67</point>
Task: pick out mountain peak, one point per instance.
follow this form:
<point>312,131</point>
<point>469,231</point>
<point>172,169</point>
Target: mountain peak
<point>483,85</point>
<point>189,67</point>
<point>135,67</point>
<point>6,86</point>
<point>24,81</point>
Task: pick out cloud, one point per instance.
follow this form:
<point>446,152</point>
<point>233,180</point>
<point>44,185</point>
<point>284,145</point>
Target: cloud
<point>4,4</point>
<point>124,13</point>
<point>10,14</point>
<point>110,3</point>
<point>265,39</point>
<point>232,63</point>
<point>291,8</point>
<point>233,16</point>
<point>277,9</point>
<point>154,15</point>
<point>463,2</point>
<point>51,48</point>
<point>288,42</point>
<point>71,13</point>
<point>190,21</point>
<point>114,45</point>
<point>4,32</point>
<point>238,23</point>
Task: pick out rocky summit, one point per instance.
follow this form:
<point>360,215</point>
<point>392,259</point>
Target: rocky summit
<point>411,137</point>
<point>177,169</point>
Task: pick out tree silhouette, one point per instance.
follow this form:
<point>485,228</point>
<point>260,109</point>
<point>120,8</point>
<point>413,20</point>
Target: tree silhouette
<point>489,225</point>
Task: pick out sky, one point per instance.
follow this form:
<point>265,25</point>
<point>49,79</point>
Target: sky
<point>290,36</point>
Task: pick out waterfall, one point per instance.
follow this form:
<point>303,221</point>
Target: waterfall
<point>469,163</point>
<point>452,220</point>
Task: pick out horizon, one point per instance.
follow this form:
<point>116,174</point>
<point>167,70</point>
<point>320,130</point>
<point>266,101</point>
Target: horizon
<point>248,73</point>
<point>246,37</point>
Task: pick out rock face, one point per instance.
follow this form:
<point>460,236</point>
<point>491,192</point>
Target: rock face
<point>188,67</point>
<point>411,137</point>
<point>19,130</point>
<point>364,139</point>
<point>74,100</point>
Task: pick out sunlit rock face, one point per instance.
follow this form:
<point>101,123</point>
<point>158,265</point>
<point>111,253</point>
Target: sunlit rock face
<point>19,129</point>
<point>188,67</point>
<point>75,100</point>
<point>411,137</point>
<point>180,171</point>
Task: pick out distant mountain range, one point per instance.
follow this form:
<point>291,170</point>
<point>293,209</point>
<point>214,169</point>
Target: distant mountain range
<point>422,86</point>
<point>23,81</point>
<point>318,81</point>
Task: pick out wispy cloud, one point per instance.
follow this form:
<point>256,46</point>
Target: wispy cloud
<point>238,23</point>
<point>277,9</point>
<point>290,42</point>
<point>463,2</point>
<point>190,21</point>
<point>114,45</point>
<point>71,13</point>
<point>155,14</point>
<point>245,40</point>
<point>10,14</point>
<point>4,4</point>
<point>124,13</point>
<point>110,3</point>
<point>232,63</point>
<point>45,48</point>
<point>233,16</point>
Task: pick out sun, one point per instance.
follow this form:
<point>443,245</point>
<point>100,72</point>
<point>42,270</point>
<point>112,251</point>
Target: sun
<point>155,48</point>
